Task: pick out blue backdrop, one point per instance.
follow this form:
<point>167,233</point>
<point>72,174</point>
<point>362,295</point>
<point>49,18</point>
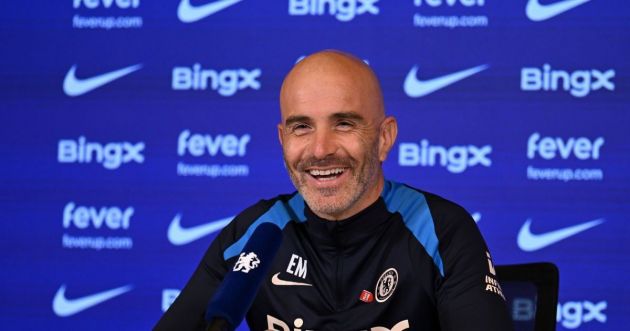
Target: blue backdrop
<point>130,127</point>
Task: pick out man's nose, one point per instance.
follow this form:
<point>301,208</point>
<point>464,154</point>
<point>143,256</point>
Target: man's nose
<point>323,144</point>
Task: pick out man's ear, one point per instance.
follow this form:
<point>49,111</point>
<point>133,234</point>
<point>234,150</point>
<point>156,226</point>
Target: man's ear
<point>280,131</point>
<point>387,137</point>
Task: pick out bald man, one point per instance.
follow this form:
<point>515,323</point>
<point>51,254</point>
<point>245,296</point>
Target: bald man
<point>359,252</point>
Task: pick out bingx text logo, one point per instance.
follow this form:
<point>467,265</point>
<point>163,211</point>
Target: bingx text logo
<point>456,159</point>
<point>110,155</point>
<point>342,10</point>
<point>226,82</point>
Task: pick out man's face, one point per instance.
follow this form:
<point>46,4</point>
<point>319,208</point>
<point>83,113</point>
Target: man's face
<point>330,140</point>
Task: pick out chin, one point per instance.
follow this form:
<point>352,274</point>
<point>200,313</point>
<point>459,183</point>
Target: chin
<point>327,203</point>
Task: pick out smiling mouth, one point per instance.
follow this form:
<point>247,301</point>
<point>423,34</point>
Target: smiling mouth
<point>326,174</point>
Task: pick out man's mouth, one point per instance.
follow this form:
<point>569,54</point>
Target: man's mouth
<point>326,174</point>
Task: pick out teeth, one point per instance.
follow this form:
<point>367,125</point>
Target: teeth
<point>328,172</point>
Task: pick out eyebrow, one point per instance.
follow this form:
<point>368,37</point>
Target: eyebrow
<point>296,118</point>
<point>350,115</point>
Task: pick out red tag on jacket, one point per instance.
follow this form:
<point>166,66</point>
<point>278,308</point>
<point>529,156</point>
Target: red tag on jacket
<point>366,296</point>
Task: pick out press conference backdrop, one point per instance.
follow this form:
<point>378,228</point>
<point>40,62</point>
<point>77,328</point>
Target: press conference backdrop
<point>133,130</point>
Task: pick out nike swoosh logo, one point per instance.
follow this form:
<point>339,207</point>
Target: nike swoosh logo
<point>529,242</point>
<point>74,86</point>
<point>64,307</point>
<point>538,12</point>
<point>418,88</point>
<point>275,280</point>
<point>188,13</point>
<point>178,235</point>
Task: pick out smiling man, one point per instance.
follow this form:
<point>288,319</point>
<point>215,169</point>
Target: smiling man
<point>359,252</point>
<point>334,133</point>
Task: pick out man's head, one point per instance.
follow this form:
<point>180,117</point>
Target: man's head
<point>334,133</point>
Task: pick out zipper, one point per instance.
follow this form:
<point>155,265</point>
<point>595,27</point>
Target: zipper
<point>338,268</point>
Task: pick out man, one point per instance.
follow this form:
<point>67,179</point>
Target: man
<point>358,252</point>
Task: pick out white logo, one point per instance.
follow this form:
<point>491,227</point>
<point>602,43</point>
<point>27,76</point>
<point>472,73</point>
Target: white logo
<point>456,159</point>
<point>490,264</point>
<point>549,147</point>
<point>297,266</point>
<point>226,82</point>
<point>572,314</point>
<point>539,12</point>
<point>529,242</point>
<point>450,3</point>
<point>67,307</point>
<point>111,155</point>
<point>492,285</point>
<point>275,324</point>
<point>246,262</point>
<point>74,86</point>
<point>476,216</point>
<point>400,326</point>
<point>416,88</point>
<point>342,10</point>
<point>578,83</point>
<point>106,218</point>
<point>188,13</point>
<point>275,280</point>
<point>91,4</point>
<point>82,217</point>
<point>178,235</point>
<point>106,22</point>
<point>386,285</point>
<point>422,20</point>
<point>198,144</point>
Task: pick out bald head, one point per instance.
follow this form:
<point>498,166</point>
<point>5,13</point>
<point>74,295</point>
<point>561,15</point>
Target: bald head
<point>332,74</point>
<point>334,133</point>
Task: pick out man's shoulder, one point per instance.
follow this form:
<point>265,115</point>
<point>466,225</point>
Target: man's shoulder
<point>279,209</point>
<point>266,203</point>
<point>431,219</point>
<point>406,198</point>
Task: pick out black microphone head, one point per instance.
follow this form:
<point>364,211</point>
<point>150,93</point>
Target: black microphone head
<point>236,293</point>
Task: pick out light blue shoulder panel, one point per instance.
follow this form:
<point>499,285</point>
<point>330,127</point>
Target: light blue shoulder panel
<point>415,212</point>
<point>279,214</point>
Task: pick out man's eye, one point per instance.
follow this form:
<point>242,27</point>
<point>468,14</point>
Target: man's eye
<point>345,125</point>
<point>300,128</point>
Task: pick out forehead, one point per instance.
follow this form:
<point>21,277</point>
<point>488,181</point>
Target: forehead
<point>319,94</point>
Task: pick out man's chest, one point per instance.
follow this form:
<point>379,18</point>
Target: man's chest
<point>319,286</point>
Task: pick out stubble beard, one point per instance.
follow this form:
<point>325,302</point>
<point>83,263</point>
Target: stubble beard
<point>335,200</point>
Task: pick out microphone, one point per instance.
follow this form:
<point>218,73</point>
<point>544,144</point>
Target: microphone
<point>235,295</point>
